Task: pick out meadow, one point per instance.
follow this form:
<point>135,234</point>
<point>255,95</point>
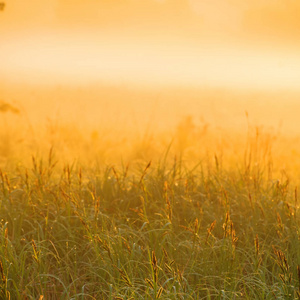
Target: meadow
<point>189,212</point>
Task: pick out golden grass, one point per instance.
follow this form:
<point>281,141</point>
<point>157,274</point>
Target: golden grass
<point>190,212</point>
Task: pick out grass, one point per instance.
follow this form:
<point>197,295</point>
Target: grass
<point>214,227</point>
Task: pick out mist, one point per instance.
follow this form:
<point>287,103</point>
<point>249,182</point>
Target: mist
<point>152,62</point>
<point>197,43</point>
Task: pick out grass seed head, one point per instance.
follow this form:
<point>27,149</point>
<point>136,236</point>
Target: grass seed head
<point>256,242</point>
<point>159,292</point>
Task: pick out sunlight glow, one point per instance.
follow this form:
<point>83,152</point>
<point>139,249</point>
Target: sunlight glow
<point>157,42</point>
<point>86,60</point>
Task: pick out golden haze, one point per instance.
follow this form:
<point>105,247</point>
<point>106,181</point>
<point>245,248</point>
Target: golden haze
<point>108,73</point>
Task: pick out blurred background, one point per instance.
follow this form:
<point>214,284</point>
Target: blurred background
<point>133,68</point>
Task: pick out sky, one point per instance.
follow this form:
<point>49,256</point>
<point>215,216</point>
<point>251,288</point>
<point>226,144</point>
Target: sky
<point>231,43</point>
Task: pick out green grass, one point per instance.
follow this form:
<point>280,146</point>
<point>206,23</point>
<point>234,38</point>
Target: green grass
<point>148,231</point>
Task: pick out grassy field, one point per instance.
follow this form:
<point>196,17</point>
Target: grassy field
<point>203,208</point>
<point>202,214</point>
